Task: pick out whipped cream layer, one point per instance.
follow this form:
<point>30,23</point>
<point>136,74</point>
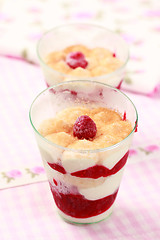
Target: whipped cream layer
<point>73,161</point>
<point>108,187</point>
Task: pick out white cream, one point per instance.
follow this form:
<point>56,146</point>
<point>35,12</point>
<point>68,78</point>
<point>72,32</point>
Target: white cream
<point>73,161</point>
<point>49,153</point>
<point>107,188</point>
<point>111,158</point>
<point>52,77</point>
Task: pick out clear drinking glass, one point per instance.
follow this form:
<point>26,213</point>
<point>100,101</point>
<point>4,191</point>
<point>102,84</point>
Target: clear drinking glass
<point>81,199</point>
<point>90,36</point>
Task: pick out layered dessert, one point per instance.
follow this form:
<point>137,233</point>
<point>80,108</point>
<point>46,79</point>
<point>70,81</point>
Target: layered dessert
<point>85,170</point>
<point>79,61</point>
<point>82,51</point>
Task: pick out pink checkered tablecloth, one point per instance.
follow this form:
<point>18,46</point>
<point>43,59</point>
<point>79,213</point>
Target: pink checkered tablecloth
<point>27,210</point>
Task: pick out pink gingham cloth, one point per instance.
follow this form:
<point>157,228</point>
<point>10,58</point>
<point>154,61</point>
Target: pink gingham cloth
<point>27,209</point>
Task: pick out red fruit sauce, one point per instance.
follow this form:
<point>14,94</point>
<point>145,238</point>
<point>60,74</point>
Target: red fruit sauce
<point>57,167</point>
<point>101,171</point>
<point>124,116</point>
<point>76,205</point>
<point>94,172</point>
<point>136,128</point>
<point>119,85</point>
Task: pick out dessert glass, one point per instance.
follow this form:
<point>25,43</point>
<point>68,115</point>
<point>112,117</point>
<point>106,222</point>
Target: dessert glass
<point>90,36</point>
<point>81,199</point>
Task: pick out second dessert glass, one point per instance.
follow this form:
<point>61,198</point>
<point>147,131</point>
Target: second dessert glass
<point>89,35</point>
<point>81,199</point>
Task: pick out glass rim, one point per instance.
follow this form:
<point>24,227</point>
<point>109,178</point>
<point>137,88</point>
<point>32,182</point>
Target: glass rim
<point>108,75</point>
<point>82,150</point>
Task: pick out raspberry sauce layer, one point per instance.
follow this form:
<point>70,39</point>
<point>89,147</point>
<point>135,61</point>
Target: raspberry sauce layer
<point>100,170</point>
<point>75,205</point>
<point>57,167</point>
<point>94,172</point>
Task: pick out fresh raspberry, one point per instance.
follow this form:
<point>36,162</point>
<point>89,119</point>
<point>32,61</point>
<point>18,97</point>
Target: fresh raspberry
<point>76,59</point>
<point>84,127</point>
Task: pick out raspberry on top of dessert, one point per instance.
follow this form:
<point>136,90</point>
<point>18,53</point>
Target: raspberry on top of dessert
<point>84,128</point>
<point>79,60</point>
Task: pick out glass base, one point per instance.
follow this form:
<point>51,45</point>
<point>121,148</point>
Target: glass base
<point>76,223</point>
